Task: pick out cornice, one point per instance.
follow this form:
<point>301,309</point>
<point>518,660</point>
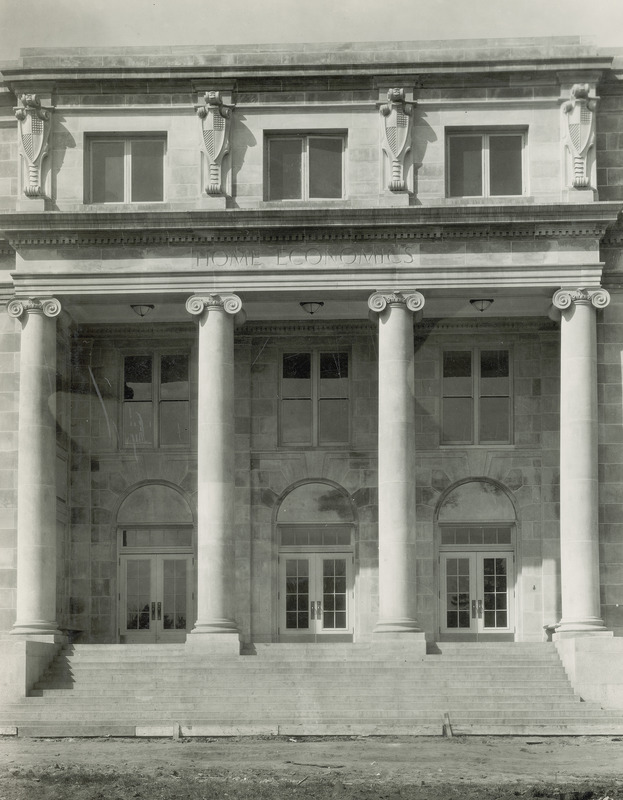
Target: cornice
<point>528,325</point>
<point>136,332</point>
<point>308,225</point>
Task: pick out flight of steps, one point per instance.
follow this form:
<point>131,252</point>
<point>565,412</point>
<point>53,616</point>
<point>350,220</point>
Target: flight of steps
<point>300,689</point>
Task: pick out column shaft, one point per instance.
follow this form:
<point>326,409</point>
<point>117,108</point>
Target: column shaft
<point>579,495</point>
<point>396,449</point>
<point>36,477</point>
<point>215,464</point>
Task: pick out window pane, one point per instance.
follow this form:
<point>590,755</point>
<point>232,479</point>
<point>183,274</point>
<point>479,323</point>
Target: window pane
<point>333,421</point>
<point>147,167</point>
<point>494,419</point>
<point>174,422</point>
<point>284,168</point>
<point>465,154</point>
<point>494,364</point>
<point>457,420</point>
<point>457,364</point>
<point>334,365</point>
<point>296,421</point>
<point>325,167</point>
<point>297,365</point>
<point>137,378</point>
<point>505,165</point>
<point>174,377</point>
<point>138,423</point>
<point>107,172</point>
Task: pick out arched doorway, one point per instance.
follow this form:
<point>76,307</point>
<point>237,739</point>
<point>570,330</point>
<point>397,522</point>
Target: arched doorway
<point>476,522</point>
<point>315,528</point>
<point>156,575</point>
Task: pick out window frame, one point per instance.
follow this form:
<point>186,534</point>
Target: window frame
<point>304,137</point>
<point>127,139</point>
<point>314,398</point>
<point>485,135</point>
<point>156,355</point>
<point>476,397</point>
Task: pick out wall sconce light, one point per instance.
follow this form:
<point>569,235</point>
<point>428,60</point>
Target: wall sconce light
<point>481,304</point>
<point>311,307</point>
<point>142,310</point>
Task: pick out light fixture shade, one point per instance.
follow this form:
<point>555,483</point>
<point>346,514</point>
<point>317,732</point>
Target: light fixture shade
<point>312,306</point>
<point>142,310</point>
<point>482,304</point>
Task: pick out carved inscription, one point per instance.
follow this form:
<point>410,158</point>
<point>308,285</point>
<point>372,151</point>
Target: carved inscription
<point>309,255</point>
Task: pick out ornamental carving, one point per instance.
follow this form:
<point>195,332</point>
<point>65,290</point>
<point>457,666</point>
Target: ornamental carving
<point>564,298</point>
<point>396,116</point>
<point>215,119</point>
<point>412,300</point>
<point>578,115</point>
<point>230,303</point>
<point>34,123</point>
<point>50,307</point>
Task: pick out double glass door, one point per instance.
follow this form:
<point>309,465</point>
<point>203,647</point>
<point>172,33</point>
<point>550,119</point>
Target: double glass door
<point>315,596</point>
<point>477,595</point>
<point>156,597</point>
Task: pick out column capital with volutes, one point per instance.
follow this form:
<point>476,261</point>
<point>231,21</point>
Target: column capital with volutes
<point>565,298</point>
<point>410,299</point>
<point>229,303</point>
<point>19,307</point>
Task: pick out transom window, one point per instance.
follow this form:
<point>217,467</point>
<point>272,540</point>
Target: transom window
<point>126,170</point>
<point>476,402</point>
<point>314,398</point>
<point>156,399</point>
<point>305,166</point>
<point>486,164</point>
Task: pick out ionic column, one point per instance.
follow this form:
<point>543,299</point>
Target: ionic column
<point>215,463</point>
<point>579,533</point>
<point>36,471</point>
<point>396,449</point>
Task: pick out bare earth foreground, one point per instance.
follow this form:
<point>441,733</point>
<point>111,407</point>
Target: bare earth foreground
<point>473,768</point>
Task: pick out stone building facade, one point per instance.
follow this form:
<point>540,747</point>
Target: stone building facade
<point>312,343</point>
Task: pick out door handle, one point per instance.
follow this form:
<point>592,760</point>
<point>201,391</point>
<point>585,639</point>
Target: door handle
<point>159,610</point>
<point>153,611</point>
<point>473,609</point>
<point>479,610</point>
<point>318,610</point>
<point>312,610</point>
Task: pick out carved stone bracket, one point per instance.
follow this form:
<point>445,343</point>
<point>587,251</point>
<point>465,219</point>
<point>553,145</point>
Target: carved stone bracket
<point>396,117</point>
<point>564,298</point>
<point>229,303</point>
<point>34,123</point>
<point>579,131</point>
<point>50,307</point>
<point>379,301</point>
<point>215,119</point>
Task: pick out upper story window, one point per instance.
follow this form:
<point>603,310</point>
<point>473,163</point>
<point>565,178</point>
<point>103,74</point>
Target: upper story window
<point>305,166</point>
<point>156,390</point>
<point>476,402</point>
<point>485,164</point>
<point>126,169</point>
<point>314,398</point>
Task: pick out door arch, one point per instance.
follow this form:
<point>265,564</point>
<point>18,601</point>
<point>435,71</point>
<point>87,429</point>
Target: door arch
<point>315,525</point>
<point>155,536</point>
<point>476,522</point>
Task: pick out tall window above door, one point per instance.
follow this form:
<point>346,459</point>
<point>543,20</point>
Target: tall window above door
<point>305,166</point>
<point>125,169</point>
<point>485,164</point>
<point>315,405</point>
<point>476,396</point>
<point>156,400</point>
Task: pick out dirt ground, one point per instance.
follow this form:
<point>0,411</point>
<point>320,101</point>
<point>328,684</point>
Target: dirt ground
<point>393,768</point>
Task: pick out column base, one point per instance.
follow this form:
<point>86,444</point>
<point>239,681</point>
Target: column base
<point>402,626</point>
<point>220,627</point>
<point>39,631</point>
<point>580,627</point>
